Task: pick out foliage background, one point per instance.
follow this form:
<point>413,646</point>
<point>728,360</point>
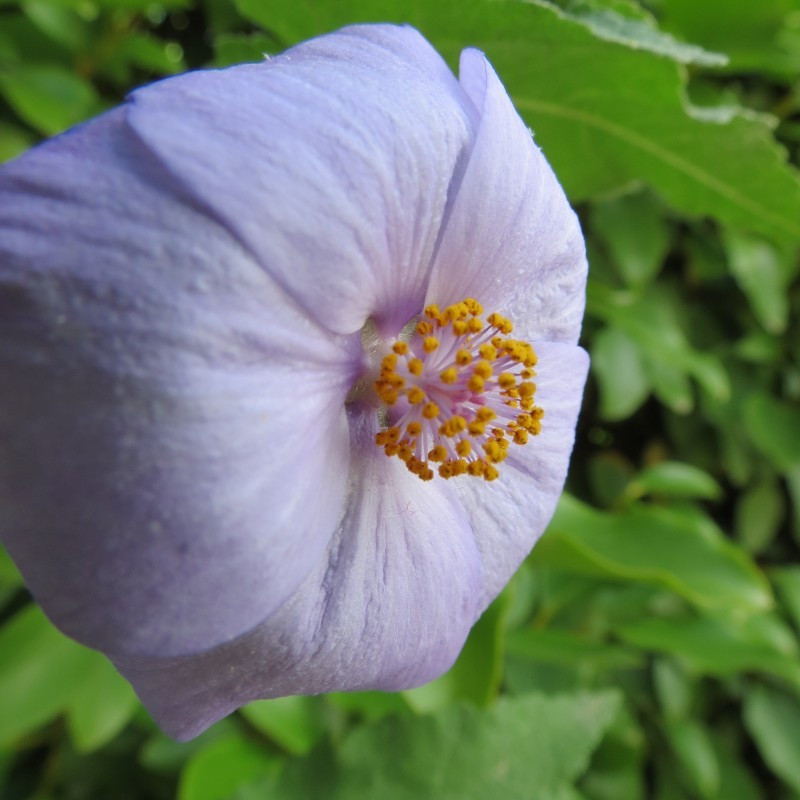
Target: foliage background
<point>649,646</point>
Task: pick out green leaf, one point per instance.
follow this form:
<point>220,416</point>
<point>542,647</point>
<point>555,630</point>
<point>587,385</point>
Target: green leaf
<point>13,141</point>
<point>554,646</point>
<point>617,365</point>
<point>763,273</point>
<point>692,745</point>
<point>630,25</point>
<point>61,24</point>
<point>760,509</point>
<point>679,549</point>
<point>238,48</point>
<point>773,719</point>
<point>750,33</point>
<point>47,97</point>
<point>635,234</point>
<point>713,647</point>
<point>774,427</point>
<point>293,722</point>
<point>787,582</point>
<point>605,113</point>
<point>40,674</point>
<point>674,479</point>
<point>461,753</point>
<point>219,769</point>
<point>100,707</point>
<point>673,688</point>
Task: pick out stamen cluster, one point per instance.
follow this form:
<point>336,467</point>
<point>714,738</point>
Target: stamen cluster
<point>459,393</point>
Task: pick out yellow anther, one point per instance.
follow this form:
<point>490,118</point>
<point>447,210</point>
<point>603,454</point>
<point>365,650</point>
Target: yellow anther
<point>493,450</point>
<point>405,453</point>
<point>491,473</point>
<point>449,375</point>
<point>401,348</point>
<point>506,380</point>
<point>389,362</point>
<point>437,453</point>
<point>430,343</point>
<point>432,312</point>
<point>391,449</point>
<point>473,306</point>
<point>389,396</point>
<point>483,369</point>
<point>463,357</point>
<point>527,389</point>
<point>414,428</point>
<point>459,466</point>
<point>446,470</point>
<point>415,366</point>
<point>527,374</point>
<point>460,327</point>
<point>485,414</point>
<point>488,351</point>
<point>476,427</point>
<point>520,436</point>
<point>415,395</point>
<point>430,411</point>
<point>475,325</point>
<point>475,383</point>
<point>424,328</point>
<point>476,468</point>
<point>464,448</point>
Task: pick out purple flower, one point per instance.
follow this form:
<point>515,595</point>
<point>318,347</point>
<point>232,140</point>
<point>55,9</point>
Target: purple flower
<point>227,419</point>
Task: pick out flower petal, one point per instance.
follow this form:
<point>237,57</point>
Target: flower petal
<point>166,411</point>
<point>389,608</point>
<point>510,514</point>
<point>333,164</point>
<point>511,240</point>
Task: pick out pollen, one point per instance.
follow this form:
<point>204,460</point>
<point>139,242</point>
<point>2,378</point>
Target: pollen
<point>459,393</point>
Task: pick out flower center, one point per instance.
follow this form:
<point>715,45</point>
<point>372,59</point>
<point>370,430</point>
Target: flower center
<point>459,392</point>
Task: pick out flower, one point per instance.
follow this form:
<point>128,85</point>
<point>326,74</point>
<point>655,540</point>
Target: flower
<point>205,295</point>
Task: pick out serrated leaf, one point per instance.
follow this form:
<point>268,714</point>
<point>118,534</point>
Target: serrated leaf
<point>678,549</point>
<point>605,113</point>
<point>461,753</point>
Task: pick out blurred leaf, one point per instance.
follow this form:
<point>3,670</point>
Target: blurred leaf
<point>60,23</point>
<point>564,647</point>
<point>673,688</point>
<point>478,670</point>
<point>678,549</point>
<point>774,427</point>
<point>152,54</point>
<point>737,782</point>
<point>462,752</point>
<point>293,722</point>
<point>674,479</point>
<point>712,646</point>
<point>693,748</point>
<point>13,141</point>
<point>760,509</point>
<point>216,771</point>
<point>101,706</point>
<point>617,365</point>
<point>40,673</point>
<point>763,274</point>
<point>650,320</point>
<point>620,105</point>
<point>773,719</point>
<point>239,48</point>
<point>47,97</point>
<point>787,581</point>
<point>635,232</point>
<point>370,705</point>
<point>9,574</point>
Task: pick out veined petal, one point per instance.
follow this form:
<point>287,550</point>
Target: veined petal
<point>166,410</point>
<point>510,514</point>
<point>389,607</point>
<point>333,163</point>
<point>511,240</point>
